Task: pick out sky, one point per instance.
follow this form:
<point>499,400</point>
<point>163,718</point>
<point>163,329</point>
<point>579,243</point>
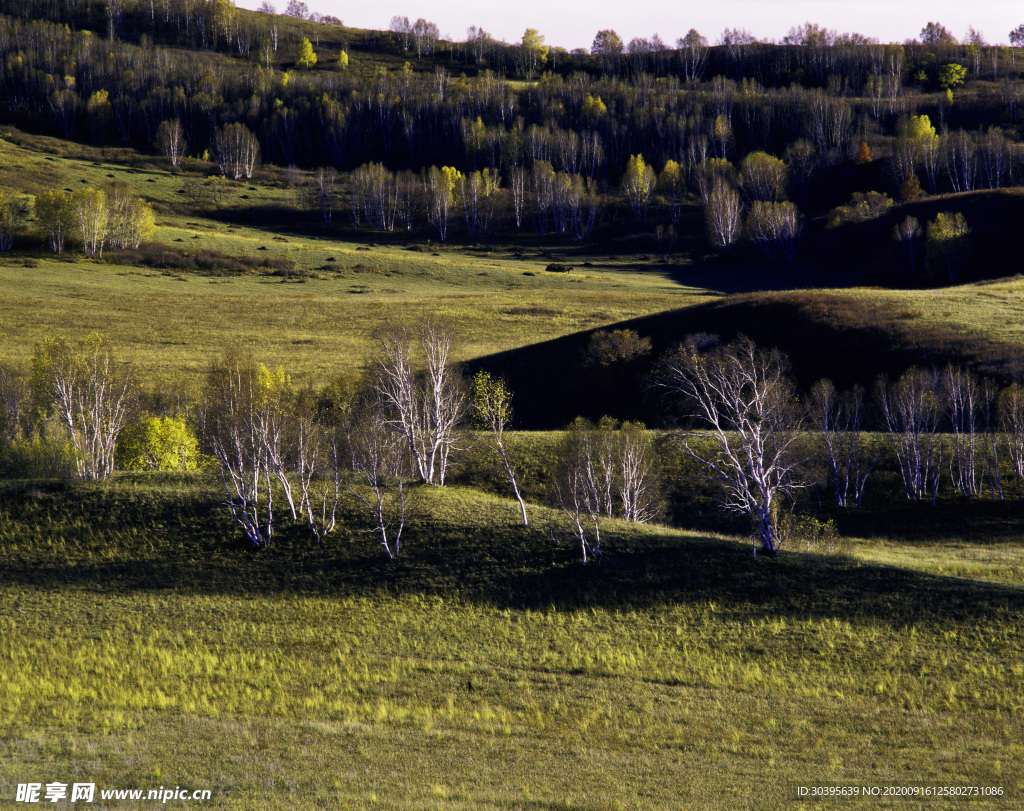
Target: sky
<point>573,23</point>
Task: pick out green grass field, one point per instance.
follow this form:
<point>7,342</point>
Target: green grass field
<point>486,668</point>
<point>172,324</point>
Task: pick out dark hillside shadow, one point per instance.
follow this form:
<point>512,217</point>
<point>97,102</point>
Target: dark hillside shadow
<point>846,339</point>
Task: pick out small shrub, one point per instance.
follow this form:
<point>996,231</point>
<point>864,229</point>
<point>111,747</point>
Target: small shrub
<point>910,189</point>
<point>159,443</point>
<point>807,534</point>
<point>863,206</point>
<point>557,268</point>
<point>608,348</point>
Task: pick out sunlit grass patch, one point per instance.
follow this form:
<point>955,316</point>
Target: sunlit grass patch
<point>153,641</point>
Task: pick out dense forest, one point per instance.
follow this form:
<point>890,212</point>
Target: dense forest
<point>427,132</point>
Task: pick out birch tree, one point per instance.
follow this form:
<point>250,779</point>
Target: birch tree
<point>236,150</point>
<point>90,394</point>
<point>639,183</point>
<point>248,420</point>
<point>57,217</point>
<point>1010,408</point>
<point>723,216</point>
<point>420,393</point>
<point>912,408</point>
<point>442,197</point>
<point>380,459</point>
<point>93,216</point>
<point>744,399</point>
<point>492,406</point>
<point>170,140</point>
<point>839,419</point>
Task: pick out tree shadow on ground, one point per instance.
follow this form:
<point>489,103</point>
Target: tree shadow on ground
<point>189,547</point>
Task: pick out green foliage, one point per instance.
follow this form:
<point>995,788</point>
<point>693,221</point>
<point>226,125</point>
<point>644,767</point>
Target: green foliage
<point>764,177</point>
<point>805,533</point>
<point>947,243</point>
<point>638,183</point>
<point>491,402</point>
<point>951,75</point>
<point>307,57</point>
<point>55,218</point>
<point>44,453</point>
<point>534,49</point>
<point>11,214</point>
<point>593,107</point>
<point>159,443</point>
<point>918,128</point>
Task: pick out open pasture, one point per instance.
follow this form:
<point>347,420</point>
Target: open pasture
<point>486,668</point>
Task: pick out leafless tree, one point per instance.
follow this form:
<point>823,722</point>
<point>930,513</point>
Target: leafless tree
<point>236,150</point>
<point>583,485</point>
<point>425,35</point>
<point>962,160</point>
<point>635,482</point>
<point>995,157</point>
<point>723,216</point>
<point>912,408</point>
<point>380,458</point>
<point>296,8</point>
<point>693,52</point>
<point>745,397</point>
<point>326,180</point>
<point>91,396</point>
<point>247,419</point>
<point>518,177</point>
<point>170,140</point>
<point>403,29</point>
<point>423,405</point>
<point>839,421</point>
<point>1011,421</point>
<point>316,457</point>
<point>963,400</point>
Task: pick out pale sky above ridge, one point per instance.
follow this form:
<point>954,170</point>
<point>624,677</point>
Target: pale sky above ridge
<point>574,24</point>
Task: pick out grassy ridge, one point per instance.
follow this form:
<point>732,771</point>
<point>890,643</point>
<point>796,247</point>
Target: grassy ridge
<point>485,669</point>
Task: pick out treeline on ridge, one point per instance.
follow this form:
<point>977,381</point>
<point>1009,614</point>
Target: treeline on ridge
<point>812,105</point>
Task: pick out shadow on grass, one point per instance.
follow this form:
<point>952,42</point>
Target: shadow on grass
<point>116,539</point>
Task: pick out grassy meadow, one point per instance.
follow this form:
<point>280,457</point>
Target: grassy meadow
<point>486,668</point>
<point>318,321</point>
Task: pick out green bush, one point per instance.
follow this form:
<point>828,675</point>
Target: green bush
<point>863,206</point>
<point>39,456</point>
<point>159,443</point>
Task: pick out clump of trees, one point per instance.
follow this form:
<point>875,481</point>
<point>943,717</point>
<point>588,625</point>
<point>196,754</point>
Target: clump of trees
<point>605,470</point>
<point>94,218</point>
